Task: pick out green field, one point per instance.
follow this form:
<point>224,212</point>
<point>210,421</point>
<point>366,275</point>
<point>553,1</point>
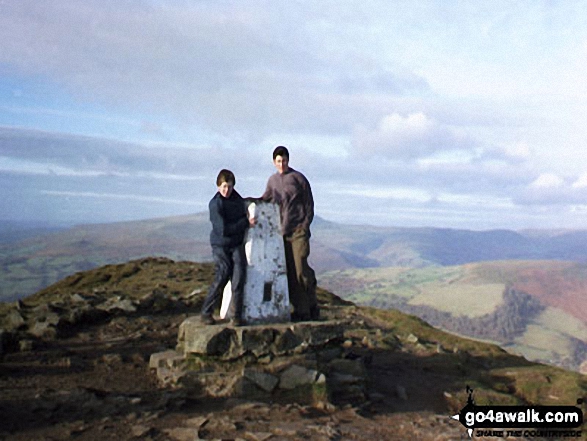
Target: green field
<point>474,291</point>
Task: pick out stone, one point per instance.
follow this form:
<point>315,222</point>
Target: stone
<point>257,436</point>
<point>296,375</point>
<point>14,320</point>
<point>265,381</point>
<point>26,345</point>
<point>259,340</point>
<point>183,434</point>
<point>117,304</point>
<point>412,339</point>
<point>140,431</point>
<point>169,359</point>
<point>196,422</point>
<point>205,340</point>
<point>266,295</point>
<point>43,329</point>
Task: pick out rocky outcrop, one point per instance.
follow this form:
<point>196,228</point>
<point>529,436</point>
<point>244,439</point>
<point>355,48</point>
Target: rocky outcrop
<point>305,362</point>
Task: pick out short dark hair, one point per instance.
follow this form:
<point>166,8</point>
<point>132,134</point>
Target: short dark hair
<point>280,151</point>
<point>225,176</point>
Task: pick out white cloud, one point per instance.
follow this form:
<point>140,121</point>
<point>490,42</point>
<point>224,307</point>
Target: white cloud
<point>121,197</point>
<point>405,104</point>
<point>547,181</point>
<point>412,136</point>
<point>581,181</point>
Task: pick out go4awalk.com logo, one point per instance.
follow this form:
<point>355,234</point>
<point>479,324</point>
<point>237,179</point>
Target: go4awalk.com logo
<point>526,421</point>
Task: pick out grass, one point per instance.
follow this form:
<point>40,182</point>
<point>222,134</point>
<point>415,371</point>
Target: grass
<point>469,300</point>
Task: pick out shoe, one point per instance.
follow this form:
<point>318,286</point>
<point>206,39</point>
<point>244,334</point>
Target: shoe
<point>208,320</point>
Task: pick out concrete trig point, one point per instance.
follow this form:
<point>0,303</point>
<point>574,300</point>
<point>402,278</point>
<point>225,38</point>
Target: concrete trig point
<point>266,295</point>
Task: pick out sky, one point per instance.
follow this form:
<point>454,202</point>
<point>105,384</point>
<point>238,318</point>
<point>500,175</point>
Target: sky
<point>418,113</point>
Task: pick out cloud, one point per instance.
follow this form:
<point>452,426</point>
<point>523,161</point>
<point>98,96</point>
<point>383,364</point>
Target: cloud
<point>547,181</point>
<point>407,137</point>
<point>549,189</point>
<point>228,67</point>
<point>39,152</point>
<point>122,197</point>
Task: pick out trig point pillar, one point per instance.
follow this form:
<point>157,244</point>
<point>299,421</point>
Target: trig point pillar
<point>266,295</point>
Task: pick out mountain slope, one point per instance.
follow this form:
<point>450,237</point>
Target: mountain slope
<point>536,308</point>
<point>89,379</point>
<point>31,264</point>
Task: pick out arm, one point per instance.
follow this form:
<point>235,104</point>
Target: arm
<point>216,217</point>
<point>308,202</point>
<point>268,195</point>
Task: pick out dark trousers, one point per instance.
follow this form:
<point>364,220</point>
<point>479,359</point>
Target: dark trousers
<point>230,264</point>
<point>300,276</point>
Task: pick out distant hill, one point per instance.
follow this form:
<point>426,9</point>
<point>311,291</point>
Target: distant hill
<point>535,308</point>
<point>13,231</point>
<point>40,258</point>
<point>434,273</point>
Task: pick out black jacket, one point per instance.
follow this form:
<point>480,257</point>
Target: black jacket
<point>229,220</point>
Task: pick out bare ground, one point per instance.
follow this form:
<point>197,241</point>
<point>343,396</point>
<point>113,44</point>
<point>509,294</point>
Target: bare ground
<point>96,385</point>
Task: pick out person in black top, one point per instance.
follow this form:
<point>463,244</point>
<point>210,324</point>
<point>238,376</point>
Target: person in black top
<point>229,219</point>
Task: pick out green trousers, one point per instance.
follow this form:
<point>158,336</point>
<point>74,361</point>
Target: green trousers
<point>300,276</point>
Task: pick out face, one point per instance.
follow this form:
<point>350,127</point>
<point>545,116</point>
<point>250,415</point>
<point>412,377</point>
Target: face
<point>281,163</point>
<point>225,189</point>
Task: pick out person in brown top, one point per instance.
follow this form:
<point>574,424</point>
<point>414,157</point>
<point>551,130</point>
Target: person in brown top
<point>291,191</point>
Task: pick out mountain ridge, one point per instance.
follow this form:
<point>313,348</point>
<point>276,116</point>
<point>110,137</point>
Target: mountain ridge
<point>79,368</point>
<point>35,262</point>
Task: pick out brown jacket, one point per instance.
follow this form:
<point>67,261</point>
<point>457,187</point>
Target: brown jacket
<point>291,190</point>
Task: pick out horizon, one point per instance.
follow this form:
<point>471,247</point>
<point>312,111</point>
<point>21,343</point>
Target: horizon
<point>41,225</point>
<point>400,114</point>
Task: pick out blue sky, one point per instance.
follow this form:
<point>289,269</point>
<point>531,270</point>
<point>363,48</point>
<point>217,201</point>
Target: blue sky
<point>404,113</point>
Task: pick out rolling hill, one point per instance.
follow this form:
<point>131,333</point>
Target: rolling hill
<point>535,308</point>
<point>42,258</point>
<point>456,279</point>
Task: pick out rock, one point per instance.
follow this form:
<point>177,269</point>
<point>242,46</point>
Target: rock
<point>183,434</point>
<point>43,329</point>
<point>111,359</point>
<point>196,422</point>
<point>77,298</point>
<point>156,301</point>
<point>266,382</point>
<point>220,424</point>
<point>14,321</point>
<point>26,345</point>
<point>117,304</point>
<point>412,339</point>
<point>169,359</point>
<point>216,340</point>
<point>140,431</point>
<point>257,436</point>
<point>296,376</point>
<point>277,339</point>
